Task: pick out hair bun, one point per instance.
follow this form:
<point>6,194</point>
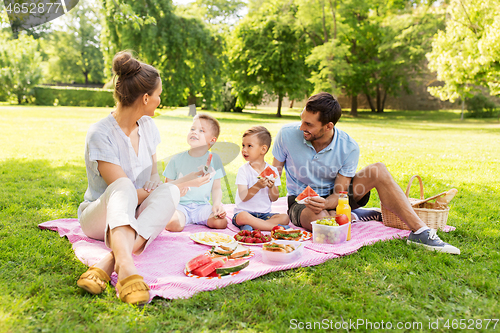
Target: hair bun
<point>124,65</point>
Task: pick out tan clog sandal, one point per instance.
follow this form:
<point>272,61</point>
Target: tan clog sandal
<point>133,290</point>
<point>94,280</point>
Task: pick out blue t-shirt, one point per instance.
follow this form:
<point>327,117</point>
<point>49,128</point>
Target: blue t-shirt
<point>182,164</point>
<point>304,166</point>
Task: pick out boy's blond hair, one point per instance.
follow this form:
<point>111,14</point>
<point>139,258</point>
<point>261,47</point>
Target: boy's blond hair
<point>263,135</point>
<point>214,123</point>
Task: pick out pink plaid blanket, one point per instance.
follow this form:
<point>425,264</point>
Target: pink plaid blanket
<point>162,264</point>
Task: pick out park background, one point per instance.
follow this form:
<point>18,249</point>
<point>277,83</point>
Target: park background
<point>417,82</point>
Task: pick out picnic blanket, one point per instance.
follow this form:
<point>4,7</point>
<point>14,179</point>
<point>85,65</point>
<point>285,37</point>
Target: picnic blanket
<point>162,263</point>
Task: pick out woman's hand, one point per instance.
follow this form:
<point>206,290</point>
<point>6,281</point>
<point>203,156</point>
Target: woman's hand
<point>184,190</point>
<point>151,185</point>
<point>199,180</point>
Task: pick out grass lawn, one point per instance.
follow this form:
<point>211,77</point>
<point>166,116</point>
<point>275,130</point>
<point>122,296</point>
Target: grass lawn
<point>43,177</point>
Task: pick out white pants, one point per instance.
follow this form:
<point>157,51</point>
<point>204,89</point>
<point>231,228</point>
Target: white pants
<point>117,206</point>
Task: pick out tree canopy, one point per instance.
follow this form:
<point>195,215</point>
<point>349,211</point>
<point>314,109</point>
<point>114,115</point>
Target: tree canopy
<point>467,52</point>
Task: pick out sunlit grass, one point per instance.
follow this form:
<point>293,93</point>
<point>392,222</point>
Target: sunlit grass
<point>42,174</point>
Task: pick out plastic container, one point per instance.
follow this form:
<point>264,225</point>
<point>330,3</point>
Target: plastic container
<point>325,234</point>
<point>279,258</point>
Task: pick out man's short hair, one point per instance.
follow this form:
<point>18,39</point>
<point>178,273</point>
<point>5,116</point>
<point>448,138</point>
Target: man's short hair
<point>214,123</point>
<point>263,135</point>
<point>327,106</point>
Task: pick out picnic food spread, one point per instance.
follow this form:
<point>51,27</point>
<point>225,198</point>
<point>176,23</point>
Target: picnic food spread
<point>275,247</point>
<point>211,238</point>
<point>327,231</point>
<point>252,237</point>
<point>268,173</point>
<point>279,232</point>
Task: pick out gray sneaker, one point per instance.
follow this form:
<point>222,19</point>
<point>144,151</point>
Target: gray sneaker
<point>431,241</point>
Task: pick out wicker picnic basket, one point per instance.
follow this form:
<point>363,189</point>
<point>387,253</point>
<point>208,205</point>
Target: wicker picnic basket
<point>433,216</point>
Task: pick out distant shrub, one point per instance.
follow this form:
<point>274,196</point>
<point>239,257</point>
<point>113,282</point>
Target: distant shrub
<point>480,106</point>
<point>73,96</point>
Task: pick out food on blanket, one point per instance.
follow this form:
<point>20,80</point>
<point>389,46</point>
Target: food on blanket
<point>207,165</point>
<point>308,192</point>
<point>198,261</point>
<point>445,199</point>
<point>213,238</point>
<point>275,247</point>
<point>232,266</point>
<point>268,173</point>
<point>254,236</point>
<point>207,269</point>
<point>341,219</point>
<point>280,232</point>
<point>231,252</point>
<point>329,234</point>
<point>328,221</point>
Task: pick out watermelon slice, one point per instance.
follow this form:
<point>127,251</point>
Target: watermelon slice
<point>308,192</point>
<point>198,261</point>
<point>268,173</point>
<point>232,266</point>
<point>207,165</point>
<point>207,269</point>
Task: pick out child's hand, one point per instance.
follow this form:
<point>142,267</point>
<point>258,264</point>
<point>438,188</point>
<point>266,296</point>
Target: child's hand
<point>270,183</point>
<point>261,183</point>
<point>219,211</point>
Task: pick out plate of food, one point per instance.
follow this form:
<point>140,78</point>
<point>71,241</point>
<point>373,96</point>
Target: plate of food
<point>205,267</point>
<point>281,252</point>
<point>212,238</point>
<point>281,232</point>
<point>254,237</point>
<point>232,251</point>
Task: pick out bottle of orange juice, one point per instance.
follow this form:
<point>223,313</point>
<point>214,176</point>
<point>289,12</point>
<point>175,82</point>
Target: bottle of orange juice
<point>344,208</point>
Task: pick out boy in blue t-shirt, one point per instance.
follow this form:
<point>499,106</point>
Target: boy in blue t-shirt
<point>194,207</point>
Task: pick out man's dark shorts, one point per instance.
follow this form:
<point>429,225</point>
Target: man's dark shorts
<point>295,209</point>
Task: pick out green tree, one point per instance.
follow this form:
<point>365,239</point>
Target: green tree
<point>369,48</point>
<point>74,52</point>
<point>184,49</point>
<point>20,67</point>
<point>467,53</point>
<point>267,55</point>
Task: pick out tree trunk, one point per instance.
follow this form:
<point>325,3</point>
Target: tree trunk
<point>86,74</point>
<point>280,100</point>
<point>463,107</point>
<point>19,99</point>
<point>383,101</point>
<point>354,105</point>
<point>334,7</point>
<point>192,105</point>
<point>291,104</point>
<point>379,100</point>
<point>370,102</point>
<point>325,33</point>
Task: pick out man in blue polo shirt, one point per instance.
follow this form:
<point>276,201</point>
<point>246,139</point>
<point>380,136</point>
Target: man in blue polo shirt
<point>316,153</point>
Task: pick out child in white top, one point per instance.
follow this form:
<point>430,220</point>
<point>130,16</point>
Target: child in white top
<point>254,197</point>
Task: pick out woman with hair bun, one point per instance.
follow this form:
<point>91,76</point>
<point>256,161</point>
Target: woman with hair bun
<point>126,204</point>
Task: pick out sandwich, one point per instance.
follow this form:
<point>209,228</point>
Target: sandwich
<point>275,247</point>
<point>280,232</point>
<point>231,251</point>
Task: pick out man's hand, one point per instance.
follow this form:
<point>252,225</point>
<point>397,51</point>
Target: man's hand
<point>219,211</point>
<point>316,204</point>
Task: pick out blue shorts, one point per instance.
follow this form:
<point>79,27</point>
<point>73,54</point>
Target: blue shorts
<point>195,214</point>
<point>262,216</point>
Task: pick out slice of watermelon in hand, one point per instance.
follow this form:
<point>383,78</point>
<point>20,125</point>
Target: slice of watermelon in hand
<point>268,173</point>
<point>307,193</point>
<point>207,165</point>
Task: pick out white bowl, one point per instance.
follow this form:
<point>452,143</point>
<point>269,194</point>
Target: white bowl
<point>279,258</point>
<point>326,234</point>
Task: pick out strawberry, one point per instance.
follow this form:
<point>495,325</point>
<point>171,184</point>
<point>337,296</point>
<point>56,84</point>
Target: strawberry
<point>258,240</point>
<point>250,240</point>
<point>258,235</point>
